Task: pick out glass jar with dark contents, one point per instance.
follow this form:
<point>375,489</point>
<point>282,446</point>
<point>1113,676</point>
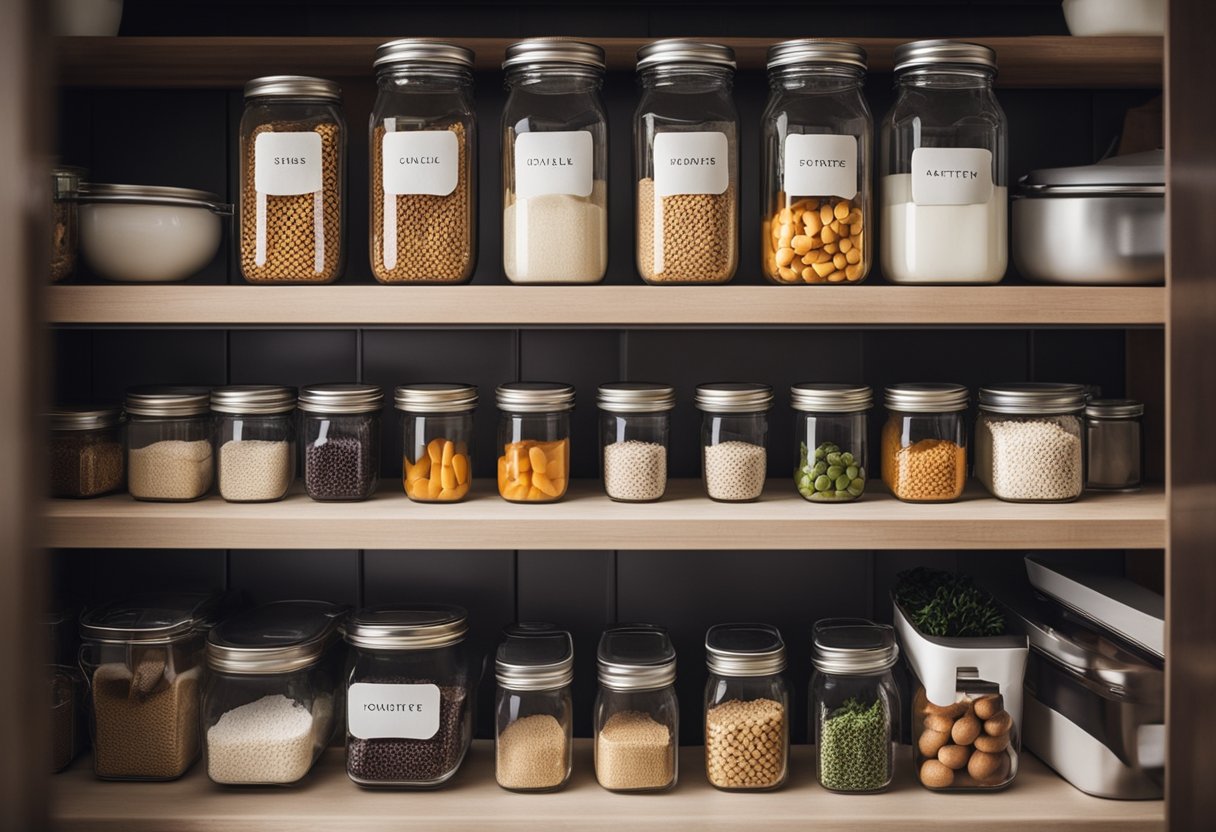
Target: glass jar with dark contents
<point>86,451</point>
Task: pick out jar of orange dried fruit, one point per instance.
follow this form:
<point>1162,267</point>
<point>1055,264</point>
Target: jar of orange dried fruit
<point>534,434</point>
<point>437,432</point>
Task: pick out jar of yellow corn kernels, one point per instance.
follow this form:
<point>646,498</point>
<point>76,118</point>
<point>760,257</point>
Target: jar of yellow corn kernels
<point>436,435</point>
<point>817,135</point>
<point>534,435</point>
<point>924,442</point>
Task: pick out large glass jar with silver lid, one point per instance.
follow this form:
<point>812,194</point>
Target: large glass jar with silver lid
<point>686,153</point>
<point>255,441</point>
<point>747,708</point>
<point>1029,442</point>
<point>635,425</point>
<point>87,456</point>
<point>943,159</point>
<point>830,427</point>
<point>554,163</point>
<point>533,710</point>
<point>169,456</point>
<point>340,432</point>
<point>637,715</point>
<point>268,703</point>
<point>816,147</point>
<point>924,442</point>
<point>854,705</point>
<point>409,695</point>
<point>436,438</point>
<point>734,433</point>
<point>534,434</point>
<point>1114,445</point>
<point>423,164</point>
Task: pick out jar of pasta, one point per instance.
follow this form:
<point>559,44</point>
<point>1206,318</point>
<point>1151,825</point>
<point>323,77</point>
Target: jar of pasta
<point>534,434</point>
<point>924,442</point>
<point>437,433</point>
<point>1030,441</point>
<point>734,432</point>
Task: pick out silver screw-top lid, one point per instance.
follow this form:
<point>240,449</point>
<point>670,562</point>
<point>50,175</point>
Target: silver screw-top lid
<point>734,397</point>
<point>421,50</point>
<point>812,51</point>
<point>253,399</point>
<point>280,637</point>
<point>83,417</point>
<point>636,397</point>
<point>408,627</point>
<point>535,397</point>
<point>168,401</point>
<point>435,398</point>
<point>65,180</point>
<point>1114,409</point>
<point>636,657</point>
<point>681,51</point>
<point>150,619</point>
<point>853,646</point>
<point>532,659</point>
<point>924,53</point>
<point>927,398</point>
<point>1032,397</point>
<point>341,398</point>
<point>292,86</point>
<point>744,650</point>
<point>831,398</point>
<point>553,51</point>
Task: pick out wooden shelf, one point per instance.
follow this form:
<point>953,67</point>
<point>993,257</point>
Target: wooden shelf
<point>587,519</point>
<point>1039,61</point>
<point>624,306</point>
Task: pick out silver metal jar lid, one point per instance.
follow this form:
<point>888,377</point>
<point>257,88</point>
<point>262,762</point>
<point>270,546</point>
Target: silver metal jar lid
<point>744,650</point>
<point>341,398</point>
<point>853,646</point>
<point>811,51</point>
<point>83,417</point>
<point>1032,397</point>
<point>733,397</point>
<point>410,627</point>
<point>168,401</point>
<point>636,397</point>
<point>636,657</point>
<point>553,51</point>
<point>253,399</point>
<point>65,180</point>
<point>421,50</point>
<point>112,193</point>
<point>681,51</point>
<point>1114,409</point>
<point>292,86</point>
<point>923,53</point>
<point>535,397</point>
<point>280,637</point>
<point>927,398</point>
<point>831,398</point>
<point>532,660</point>
<point>149,619</point>
<point>435,398</point>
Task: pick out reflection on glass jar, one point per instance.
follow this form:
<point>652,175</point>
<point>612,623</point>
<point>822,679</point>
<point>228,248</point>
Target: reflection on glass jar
<point>830,429</point>
<point>533,711</point>
<point>437,437</point>
<point>734,432</point>
<point>169,452</point>
<point>534,434</point>
<point>924,442</point>
<point>1029,446</point>
<point>255,441</point>
<point>635,423</point>
<point>340,432</point>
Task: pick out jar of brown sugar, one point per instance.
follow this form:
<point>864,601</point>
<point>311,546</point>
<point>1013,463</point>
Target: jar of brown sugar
<point>924,442</point>
<point>86,451</point>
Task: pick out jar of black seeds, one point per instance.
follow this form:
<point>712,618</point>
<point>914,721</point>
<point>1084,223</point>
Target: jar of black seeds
<point>87,458</point>
<point>340,434</point>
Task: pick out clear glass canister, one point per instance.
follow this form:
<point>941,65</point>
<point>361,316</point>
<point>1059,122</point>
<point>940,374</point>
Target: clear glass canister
<point>293,180</point>
<point>1114,445</point>
<point>169,454</point>
<point>747,707</point>
<point>1029,442</point>
<point>971,744</point>
<point>255,441</point>
<point>924,442</point>
<point>854,705</point>
<point>734,432</point>
<point>268,702</point>
<point>635,426</point>
<point>534,434</point>
<point>423,164</point>
<point>830,427</point>
<point>87,455</point>
<point>409,695</point>
<point>340,432</point>
<point>65,221</point>
<point>816,148</point>
<point>944,196</point>
<point>554,163</point>
<point>436,437</point>
<point>533,710</point>
<point>686,152</point>
<point>637,714</point>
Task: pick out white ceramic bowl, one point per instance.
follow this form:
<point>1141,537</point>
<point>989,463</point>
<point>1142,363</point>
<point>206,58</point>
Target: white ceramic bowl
<point>96,18</point>
<point>1098,18</point>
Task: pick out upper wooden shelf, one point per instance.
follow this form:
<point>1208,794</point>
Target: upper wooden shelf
<point>1039,61</point>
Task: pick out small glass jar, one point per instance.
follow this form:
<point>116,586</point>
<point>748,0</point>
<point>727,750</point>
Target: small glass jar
<point>816,146</point>
<point>409,696</point>
<point>268,702</point>
<point>534,714</point>
<point>87,455</point>
<point>686,152</point>
<point>747,707</point>
<point>924,442</point>
<point>534,434</point>
<point>169,454</point>
<point>340,432</point>
<point>293,180</point>
<point>734,432</point>
<point>65,221</point>
<point>854,705</point>
<point>255,441</point>
<point>830,427</point>
<point>944,197</point>
<point>1029,442</point>
<point>637,714</point>
<point>554,163</point>
<point>423,164</point>
<point>635,425</point>
<point>1114,445</point>
<point>437,433</point>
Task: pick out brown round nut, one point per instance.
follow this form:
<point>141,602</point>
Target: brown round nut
<point>998,724</point>
<point>935,775</point>
<point>952,711</point>
<point>965,730</point>
<point>931,742</point>
<point>939,723</point>
<point>992,745</point>
<point>984,766</point>
<point>988,706</point>
<point>954,756</point>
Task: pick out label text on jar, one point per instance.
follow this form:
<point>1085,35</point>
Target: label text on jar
<point>420,162</point>
<point>820,164</point>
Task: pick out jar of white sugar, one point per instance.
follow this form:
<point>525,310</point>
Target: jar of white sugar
<point>533,709</point>
<point>268,702</point>
<point>734,429</point>
<point>1030,440</point>
<point>436,440</point>
<point>340,432</point>
<point>830,429</point>
<point>169,453</point>
<point>254,441</point>
<point>635,425</point>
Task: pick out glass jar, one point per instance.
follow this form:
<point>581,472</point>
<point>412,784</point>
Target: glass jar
<point>747,706</point>
<point>637,714</point>
<point>554,163</point>
<point>423,164</point>
<point>409,695</point>
<point>944,198</point>
<point>340,432</point>
<point>734,430</point>
<point>1114,445</point>
<point>534,434</point>
<point>293,180</point>
<point>1029,442</point>
<point>86,451</point>
<point>268,702</point>
<point>830,427</point>
<point>437,433</point>
<point>970,744</point>
<point>169,455</point>
<point>686,153</point>
<point>854,705</point>
<point>65,221</point>
<point>924,442</point>
<point>635,424</point>
<point>533,710</point>
<point>255,441</point>
<point>816,147</point>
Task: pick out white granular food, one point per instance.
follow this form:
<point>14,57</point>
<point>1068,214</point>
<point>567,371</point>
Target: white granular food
<point>556,238</point>
<point>1031,460</point>
<point>635,471</point>
<point>735,471</point>
<point>172,469</point>
<point>269,740</point>
<point>254,469</point>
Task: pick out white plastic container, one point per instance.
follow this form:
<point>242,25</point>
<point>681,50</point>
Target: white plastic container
<point>1093,18</point>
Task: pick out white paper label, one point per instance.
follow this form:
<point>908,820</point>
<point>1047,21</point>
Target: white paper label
<point>951,175</point>
<point>553,163</point>
<point>379,711</point>
<point>690,163</point>
<point>420,162</point>
<point>818,164</point>
<point>287,163</point>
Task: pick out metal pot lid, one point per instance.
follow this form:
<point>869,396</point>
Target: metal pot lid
<point>927,397</point>
<point>253,399</point>
<point>636,657</point>
<point>1114,409</point>
<point>681,51</point>
<point>553,51</point>
<point>112,193</point>
<point>636,397</point>
<point>535,396</point>
<point>1030,398</point>
<point>292,86</point>
<point>341,399</point>
<point>734,397</point>
<point>421,50</point>
<point>1136,174</point>
<point>831,398</point>
<point>812,51</point>
<point>280,637</point>
<point>435,398</point>
<point>149,619</point>
<point>853,646</point>
<point>408,627</point>
<point>170,401</point>
<point>535,659</point>
<point>744,650</point>
<point>83,417</point>
<point>929,53</point>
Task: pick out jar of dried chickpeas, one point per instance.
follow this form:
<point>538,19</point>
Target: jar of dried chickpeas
<point>924,442</point>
